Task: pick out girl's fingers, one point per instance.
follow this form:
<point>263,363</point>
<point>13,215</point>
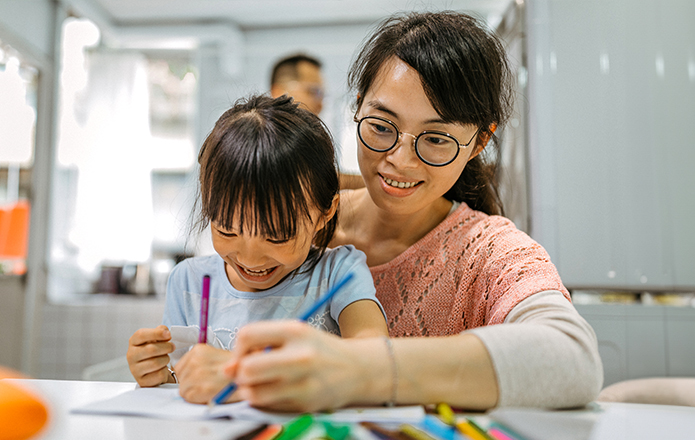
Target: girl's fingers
<point>200,373</point>
<point>149,366</point>
<point>147,335</point>
<point>154,378</point>
<point>140,353</point>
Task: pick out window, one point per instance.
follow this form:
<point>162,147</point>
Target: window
<point>124,155</point>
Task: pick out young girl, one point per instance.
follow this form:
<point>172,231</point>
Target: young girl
<point>269,191</point>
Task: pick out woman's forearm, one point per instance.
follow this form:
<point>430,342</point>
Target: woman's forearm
<point>455,369</point>
<point>545,355</point>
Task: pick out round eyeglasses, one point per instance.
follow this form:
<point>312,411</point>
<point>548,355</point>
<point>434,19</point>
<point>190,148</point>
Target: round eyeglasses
<point>435,148</point>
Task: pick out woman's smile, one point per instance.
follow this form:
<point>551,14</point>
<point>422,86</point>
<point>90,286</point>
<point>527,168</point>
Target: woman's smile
<point>399,183</point>
<point>399,187</point>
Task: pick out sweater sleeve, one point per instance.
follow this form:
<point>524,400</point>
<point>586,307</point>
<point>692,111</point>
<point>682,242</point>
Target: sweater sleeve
<point>544,355</point>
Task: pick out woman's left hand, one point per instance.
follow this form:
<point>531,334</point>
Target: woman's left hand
<point>200,373</point>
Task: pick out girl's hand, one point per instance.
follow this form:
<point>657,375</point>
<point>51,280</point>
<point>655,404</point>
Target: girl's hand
<point>200,374</point>
<point>306,370</point>
<point>148,356</point>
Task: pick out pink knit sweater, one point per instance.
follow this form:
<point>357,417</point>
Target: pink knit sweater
<point>469,271</point>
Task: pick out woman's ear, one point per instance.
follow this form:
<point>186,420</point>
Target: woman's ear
<point>482,140</point>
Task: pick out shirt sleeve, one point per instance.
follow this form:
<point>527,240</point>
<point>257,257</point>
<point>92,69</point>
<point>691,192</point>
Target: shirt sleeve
<point>361,286</point>
<point>173,309</point>
<point>544,355</point>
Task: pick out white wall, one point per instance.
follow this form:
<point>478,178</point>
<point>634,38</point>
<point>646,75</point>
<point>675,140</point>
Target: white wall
<point>612,138</point>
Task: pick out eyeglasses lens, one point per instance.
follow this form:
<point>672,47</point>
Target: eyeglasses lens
<point>433,148</point>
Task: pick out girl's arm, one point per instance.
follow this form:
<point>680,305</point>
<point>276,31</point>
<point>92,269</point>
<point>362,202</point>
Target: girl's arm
<point>362,319</point>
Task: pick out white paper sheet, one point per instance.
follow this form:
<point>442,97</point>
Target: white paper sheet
<point>164,402</point>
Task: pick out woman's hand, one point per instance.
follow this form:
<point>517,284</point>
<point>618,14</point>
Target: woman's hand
<point>306,369</point>
<point>148,356</point>
<point>200,374</point>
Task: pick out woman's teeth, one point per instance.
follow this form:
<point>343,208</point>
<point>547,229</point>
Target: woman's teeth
<point>257,273</point>
<point>396,184</point>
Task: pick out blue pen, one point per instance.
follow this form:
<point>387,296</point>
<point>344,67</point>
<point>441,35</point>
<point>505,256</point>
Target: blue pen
<point>231,387</point>
<point>317,305</point>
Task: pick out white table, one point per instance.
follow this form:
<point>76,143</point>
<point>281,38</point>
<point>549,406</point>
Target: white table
<point>63,395</point>
<point>635,421</point>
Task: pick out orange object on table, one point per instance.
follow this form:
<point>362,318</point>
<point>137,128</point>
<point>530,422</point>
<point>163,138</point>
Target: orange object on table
<point>22,413</point>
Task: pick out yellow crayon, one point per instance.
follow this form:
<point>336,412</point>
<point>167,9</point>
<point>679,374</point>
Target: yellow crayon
<point>446,414</point>
<point>468,429</point>
<point>415,433</point>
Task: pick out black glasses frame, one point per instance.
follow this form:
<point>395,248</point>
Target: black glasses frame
<point>417,138</point>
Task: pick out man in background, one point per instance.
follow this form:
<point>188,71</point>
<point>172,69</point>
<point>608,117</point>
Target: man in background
<point>299,76</point>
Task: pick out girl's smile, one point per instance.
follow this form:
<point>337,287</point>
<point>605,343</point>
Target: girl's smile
<point>254,262</point>
<point>255,275</point>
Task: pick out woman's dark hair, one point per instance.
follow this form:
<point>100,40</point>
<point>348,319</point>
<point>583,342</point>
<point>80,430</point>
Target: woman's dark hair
<point>465,74</point>
<point>265,164</point>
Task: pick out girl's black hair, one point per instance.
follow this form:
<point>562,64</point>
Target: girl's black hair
<point>265,164</point>
<point>464,71</point>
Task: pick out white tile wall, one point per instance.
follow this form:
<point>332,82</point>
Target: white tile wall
<point>79,334</point>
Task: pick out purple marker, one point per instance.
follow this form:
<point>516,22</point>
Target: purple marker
<point>204,301</point>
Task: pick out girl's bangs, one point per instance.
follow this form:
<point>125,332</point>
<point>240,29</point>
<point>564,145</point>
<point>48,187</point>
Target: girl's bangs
<point>256,206</point>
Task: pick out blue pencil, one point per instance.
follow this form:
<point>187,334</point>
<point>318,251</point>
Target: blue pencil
<point>231,387</point>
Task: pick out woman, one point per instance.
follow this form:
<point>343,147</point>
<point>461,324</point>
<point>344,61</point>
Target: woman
<point>431,90</point>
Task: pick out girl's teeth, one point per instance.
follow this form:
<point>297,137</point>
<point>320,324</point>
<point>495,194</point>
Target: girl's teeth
<point>399,184</point>
<point>257,272</point>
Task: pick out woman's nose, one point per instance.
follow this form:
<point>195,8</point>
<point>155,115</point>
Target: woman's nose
<point>403,153</point>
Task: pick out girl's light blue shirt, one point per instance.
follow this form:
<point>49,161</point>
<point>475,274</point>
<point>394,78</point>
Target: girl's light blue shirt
<point>230,309</point>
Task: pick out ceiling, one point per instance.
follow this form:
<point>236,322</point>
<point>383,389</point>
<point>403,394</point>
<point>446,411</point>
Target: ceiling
<point>247,14</point>
<point>187,24</point>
